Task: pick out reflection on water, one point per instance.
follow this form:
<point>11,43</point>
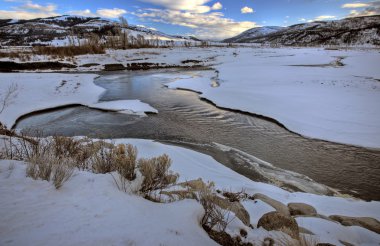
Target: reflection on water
<point>184,118</point>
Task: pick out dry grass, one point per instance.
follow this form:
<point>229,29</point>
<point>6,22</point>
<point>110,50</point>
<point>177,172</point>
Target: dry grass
<point>54,159</point>
<point>22,55</point>
<point>285,240</point>
<point>70,51</point>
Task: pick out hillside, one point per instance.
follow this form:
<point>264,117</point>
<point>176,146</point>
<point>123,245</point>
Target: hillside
<point>351,31</point>
<point>253,33</point>
<point>62,30</point>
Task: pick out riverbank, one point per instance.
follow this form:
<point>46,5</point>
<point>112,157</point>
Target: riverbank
<point>40,202</point>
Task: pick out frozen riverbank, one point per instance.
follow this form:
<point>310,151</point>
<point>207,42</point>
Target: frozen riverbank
<point>24,93</point>
<point>329,95</point>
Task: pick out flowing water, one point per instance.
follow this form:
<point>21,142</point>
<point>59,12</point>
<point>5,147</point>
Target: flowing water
<point>240,141</point>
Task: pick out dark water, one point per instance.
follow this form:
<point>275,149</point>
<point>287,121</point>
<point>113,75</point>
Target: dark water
<point>184,119</point>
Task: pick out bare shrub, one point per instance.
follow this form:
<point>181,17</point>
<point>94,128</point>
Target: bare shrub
<point>50,167</point>
<point>61,174</point>
<point>104,160</point>
<point>156,173</point>
<point>6,97</point>
<point>235,196</point>
<point>84,154</point>
<point>214,217</point>
<point>65,146</point>
<point>125,160</point>
<point>32,170</point>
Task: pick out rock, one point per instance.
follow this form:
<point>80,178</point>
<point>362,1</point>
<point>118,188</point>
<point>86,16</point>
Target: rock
<point>225,239</point>
<point>90,65</point>
<point>268,242</point>
<point>305,231</point>
<point>279,206</point>
<point>279,222</point>
<point>234,207</point>
<point>365,222</point>
<point>114,67</point>
<point>345,243</point>
<point>243,233</point>
<point>301,209</point>
<point>196,184</point>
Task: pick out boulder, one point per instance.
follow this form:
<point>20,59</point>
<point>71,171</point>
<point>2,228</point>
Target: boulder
<point>279,206</point>
<point>366,222</point>
<point>301,209</point>
<point>234,207</point>
<point>279,222</point>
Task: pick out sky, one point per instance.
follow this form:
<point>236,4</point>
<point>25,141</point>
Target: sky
<point>208,19</point>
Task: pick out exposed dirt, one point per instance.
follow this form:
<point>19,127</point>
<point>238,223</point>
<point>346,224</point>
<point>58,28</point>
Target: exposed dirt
<point>8,66</point>
<point>191,61</point>
<point>134,66</point>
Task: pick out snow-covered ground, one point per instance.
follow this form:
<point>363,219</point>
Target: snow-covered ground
<point>90,210</point>
<point>30,92</point>
<point>303,89</point>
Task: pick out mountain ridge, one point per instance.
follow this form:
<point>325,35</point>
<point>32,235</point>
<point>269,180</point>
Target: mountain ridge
<point>56,30</point>
<point>364,30</point>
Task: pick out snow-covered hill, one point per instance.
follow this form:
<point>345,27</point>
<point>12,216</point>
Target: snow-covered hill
<point>253,33</point>
<point>62,30</point>
<point>351,31</point>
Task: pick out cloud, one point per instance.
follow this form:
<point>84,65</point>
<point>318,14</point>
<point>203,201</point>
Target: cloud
<point>111,13</point>
<point>246,10</point>
<point>355,5</point>
<point>194,6</point>
<point>36,7</point>
<point>85,12</point>
<point>371,8</point>
<point>324,17</point>
<point>208,26</point>
<point>106,13</point>
<point>217,6</point>
<point>29,10</point>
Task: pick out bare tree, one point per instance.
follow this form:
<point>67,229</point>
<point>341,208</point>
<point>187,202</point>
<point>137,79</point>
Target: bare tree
<point>123,21</point>
<point>7,97</point>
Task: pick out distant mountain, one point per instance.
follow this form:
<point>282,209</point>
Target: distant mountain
<point>351,31</point>
<point>63,29</point>
<point>253,33</point>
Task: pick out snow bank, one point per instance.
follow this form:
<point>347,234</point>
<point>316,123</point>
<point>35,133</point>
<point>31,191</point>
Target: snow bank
<point>36,92</point>
<point>302,89</point>
<point>192,165</point>
<point>89,209</point>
